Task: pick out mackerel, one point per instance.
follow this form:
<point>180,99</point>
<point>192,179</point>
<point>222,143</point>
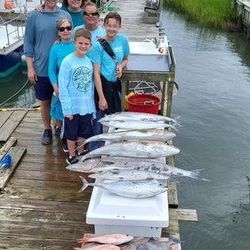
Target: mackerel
<point>145,149</point>
<point>135,125</point>
<point>129,175</point>
<point>134,135</point>
<point>152,166</point>
<point>86,166</point>
<point>138,116</point>
<point>130,189</point>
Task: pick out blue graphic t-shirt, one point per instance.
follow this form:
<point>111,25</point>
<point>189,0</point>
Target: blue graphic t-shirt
<point>76,85</point>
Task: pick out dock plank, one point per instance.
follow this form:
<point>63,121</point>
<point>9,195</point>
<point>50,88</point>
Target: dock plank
<point>6,147</point>
<point>9,126</point>
<point>16,154</point>
<point>4,116</point>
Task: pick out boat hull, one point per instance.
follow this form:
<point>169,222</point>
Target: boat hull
<point>10,62</point>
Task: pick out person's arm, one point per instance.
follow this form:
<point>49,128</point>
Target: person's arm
<point>31,71</point>
<point>124,62</point>
<point>52,69</point>
<point>98,84</point>
<point>63,82</point>
<point>29,44</point>
<point>121,66</point>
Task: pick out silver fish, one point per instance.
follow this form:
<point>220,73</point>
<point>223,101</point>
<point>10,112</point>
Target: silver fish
<point>138,116</point>
<point>153,135</point>
<point>152,166</point>
<point>159,244</point>
<point>145,149</point>
<point>85,166</point>
<point>129,175</point>
<point>135,125</point>
<point>130,189</point>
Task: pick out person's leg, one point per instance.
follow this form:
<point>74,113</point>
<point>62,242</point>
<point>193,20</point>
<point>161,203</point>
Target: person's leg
<point>80,146</point>
<point>45,113</point>
<point>70,133</point>
<point>97,129</point>
<point>44,91</point>
<point>71,147</point>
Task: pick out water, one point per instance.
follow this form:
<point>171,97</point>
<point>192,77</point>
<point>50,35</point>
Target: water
<point>16,84</point>
<point>213,72</point>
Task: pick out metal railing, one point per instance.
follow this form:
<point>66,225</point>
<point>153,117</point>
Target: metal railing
<point>14,29</point>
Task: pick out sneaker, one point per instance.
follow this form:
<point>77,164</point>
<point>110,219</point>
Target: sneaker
<point>57,131</point>
<point>72,160</point>
<point>65,148</point>
<point>46,137</point>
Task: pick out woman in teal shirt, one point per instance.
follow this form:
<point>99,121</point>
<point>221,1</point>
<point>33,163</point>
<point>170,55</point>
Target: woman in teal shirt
<point>57,53</point>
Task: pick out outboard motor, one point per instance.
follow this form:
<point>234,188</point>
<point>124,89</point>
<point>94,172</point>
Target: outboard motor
<point>152,4</point>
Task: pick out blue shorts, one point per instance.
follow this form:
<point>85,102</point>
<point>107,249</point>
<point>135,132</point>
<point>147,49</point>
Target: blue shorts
<point>80,126</point>
<point>43,88</point>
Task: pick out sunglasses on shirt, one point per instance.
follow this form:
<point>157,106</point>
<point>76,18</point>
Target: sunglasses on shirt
<point>90,13</point>
<point>68,28</point>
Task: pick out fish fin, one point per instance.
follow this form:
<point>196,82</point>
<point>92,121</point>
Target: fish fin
<point>85,184</point>
<point>93,176</point>
<point>195,174</point>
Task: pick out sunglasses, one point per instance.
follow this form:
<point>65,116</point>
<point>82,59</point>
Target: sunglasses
<point>68,28</point>
<point>90,13</point>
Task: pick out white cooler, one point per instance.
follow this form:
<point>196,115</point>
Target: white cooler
<point>138,217</point>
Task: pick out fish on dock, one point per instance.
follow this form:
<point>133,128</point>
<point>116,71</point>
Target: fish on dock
<point>136,125</point>
<point>129,189</point>
<point>150,165</point>
<point>129,175</point>
<point>138,116</point>
<point>151,135</point>
<point>86,166</point>
<point>112,239</point>
<point>98,247</point>
<point>145,243</point>
<point>143,149</point>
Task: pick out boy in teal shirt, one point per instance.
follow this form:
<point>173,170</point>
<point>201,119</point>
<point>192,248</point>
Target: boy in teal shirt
<point>107,71</point>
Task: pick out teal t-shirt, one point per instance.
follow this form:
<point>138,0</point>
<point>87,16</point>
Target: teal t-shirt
<point>77,17</point>
<point>120,46</point>
<point>95,34</point>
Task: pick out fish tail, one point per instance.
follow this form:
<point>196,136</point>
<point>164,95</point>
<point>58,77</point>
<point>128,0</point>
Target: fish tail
<point>176,121</point>
<point>173,126</point>
<point>85,184</point>
<point>195,174</point>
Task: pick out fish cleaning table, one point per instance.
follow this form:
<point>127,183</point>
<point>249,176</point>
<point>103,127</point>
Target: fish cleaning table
<point>146,63</point>
<point>138,217</point>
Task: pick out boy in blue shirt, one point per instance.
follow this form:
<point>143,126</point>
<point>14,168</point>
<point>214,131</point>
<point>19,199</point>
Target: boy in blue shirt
<point>76,93</point>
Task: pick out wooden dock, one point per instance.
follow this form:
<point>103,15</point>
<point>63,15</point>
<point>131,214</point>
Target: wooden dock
<point>40,206</point>
<point>243,10</point>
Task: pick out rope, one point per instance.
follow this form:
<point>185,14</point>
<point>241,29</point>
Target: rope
<point>11,97</point>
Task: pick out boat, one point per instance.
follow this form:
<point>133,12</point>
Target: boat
<point>12,28</point>
<point>11,45</point>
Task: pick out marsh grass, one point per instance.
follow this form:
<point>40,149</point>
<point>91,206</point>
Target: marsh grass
<point>207,13</point>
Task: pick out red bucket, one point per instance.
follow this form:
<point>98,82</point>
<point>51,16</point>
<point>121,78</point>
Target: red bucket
<point>144,103</point>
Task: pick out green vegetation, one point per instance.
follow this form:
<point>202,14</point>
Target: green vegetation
<point>207,13</point>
